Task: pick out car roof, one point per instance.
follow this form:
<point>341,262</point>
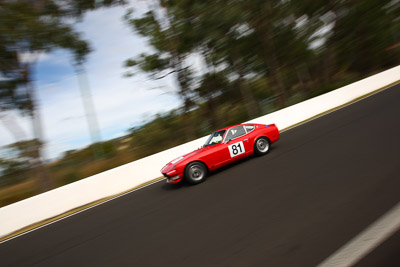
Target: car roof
<point>228,127</point>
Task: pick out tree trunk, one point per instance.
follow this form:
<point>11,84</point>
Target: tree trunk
<point>247,95</point>
<point>188,125</point>
<point>275,75</point>
<point>263,30</point>
<point>212,114</point>
<point>45,182</point>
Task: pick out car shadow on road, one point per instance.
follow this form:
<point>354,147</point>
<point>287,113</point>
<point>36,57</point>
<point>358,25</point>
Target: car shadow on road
<point>173,187</point>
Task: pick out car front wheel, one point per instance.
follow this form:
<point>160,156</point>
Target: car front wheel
<point>195,172</point>
<point>261,146</point>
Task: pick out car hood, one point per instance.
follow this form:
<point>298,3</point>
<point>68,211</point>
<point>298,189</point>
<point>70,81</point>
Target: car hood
<point>196,152</point>
<point>185,157</point>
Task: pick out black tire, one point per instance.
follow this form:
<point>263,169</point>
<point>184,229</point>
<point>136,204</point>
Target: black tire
<point>262,146</point>
<point>195,172</point>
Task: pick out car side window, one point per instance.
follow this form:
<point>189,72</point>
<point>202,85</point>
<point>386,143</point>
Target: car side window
<point>235,132</point>
<point>249,128</point>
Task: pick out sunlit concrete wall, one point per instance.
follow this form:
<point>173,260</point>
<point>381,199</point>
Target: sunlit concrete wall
<point>47,205</point>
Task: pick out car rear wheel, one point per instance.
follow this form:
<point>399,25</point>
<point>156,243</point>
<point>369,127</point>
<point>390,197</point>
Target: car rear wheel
<point>261,146</point>
<point>195,172</point>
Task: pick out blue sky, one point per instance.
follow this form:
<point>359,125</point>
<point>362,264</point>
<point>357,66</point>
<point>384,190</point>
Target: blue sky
<point>120,102</point>
<point>47,72</point>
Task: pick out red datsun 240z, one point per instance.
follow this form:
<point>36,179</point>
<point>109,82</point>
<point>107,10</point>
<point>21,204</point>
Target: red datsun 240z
<point>222,147</point>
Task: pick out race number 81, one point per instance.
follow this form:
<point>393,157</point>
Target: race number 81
<point>236,149</point>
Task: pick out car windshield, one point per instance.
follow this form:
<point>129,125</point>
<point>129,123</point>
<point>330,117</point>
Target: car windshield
<point>215,138</point>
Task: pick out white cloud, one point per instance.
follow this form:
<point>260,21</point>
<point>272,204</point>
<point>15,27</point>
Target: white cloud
<point>27,57</point>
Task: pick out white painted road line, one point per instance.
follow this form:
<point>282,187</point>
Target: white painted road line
<point>366,241</point>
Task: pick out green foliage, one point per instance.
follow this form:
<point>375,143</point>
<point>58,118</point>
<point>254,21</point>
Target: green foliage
<point>360,50</point>
<point>19,161</point>
<point>13,171</point>
<point>70,178</point>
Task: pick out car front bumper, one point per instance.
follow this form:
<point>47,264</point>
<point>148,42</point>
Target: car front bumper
<point>173,179</point>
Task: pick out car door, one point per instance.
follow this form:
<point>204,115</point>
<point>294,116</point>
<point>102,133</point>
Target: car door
<point>218,156</point>
<point>214,154</point>
<point>237,143</point>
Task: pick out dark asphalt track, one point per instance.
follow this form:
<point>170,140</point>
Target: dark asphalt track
<point>386,255</point>
<point>321,184</point>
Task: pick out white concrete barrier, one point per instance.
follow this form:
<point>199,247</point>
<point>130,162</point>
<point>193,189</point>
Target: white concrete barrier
<point>52,203</point>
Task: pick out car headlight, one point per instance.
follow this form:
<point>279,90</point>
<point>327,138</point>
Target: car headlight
<point>172,170</point>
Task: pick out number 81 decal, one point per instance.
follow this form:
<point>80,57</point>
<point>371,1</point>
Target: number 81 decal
<point>236,149</point>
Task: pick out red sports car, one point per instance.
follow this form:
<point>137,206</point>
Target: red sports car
<point>221,148</point>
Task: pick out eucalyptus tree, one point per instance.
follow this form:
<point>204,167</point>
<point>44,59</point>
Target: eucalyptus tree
<point>29,29</point>
<point>262,17</point>
<point>290,44</point>
<point>364,30</point>
<point>211,87</point>
<point>15,168</point>
<point>209,31</point>
<point>357,34</point>
<point>165,31</point>
<point>250,39</point>
<point>228,44</point>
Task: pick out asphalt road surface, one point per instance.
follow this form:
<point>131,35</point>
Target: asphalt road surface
<point>321,184</point>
